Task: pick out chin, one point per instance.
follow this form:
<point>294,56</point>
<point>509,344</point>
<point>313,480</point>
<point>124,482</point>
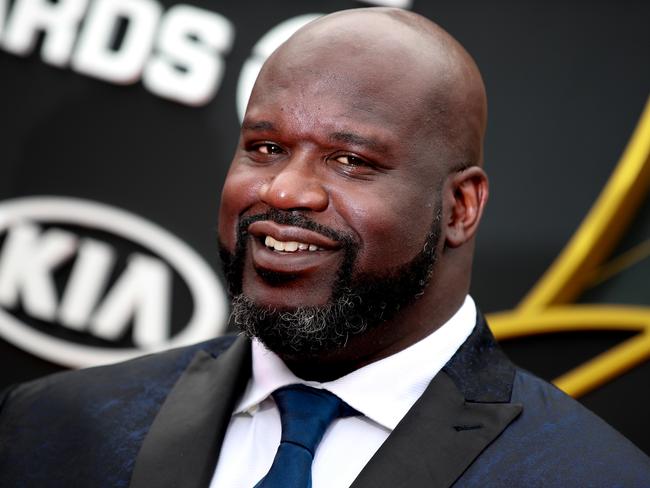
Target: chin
<point>297,331</point>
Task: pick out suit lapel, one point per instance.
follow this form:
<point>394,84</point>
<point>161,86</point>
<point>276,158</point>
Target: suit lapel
<point>183,443</point>
<point>464,408</point>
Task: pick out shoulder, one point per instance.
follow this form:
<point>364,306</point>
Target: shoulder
<point>556,441</point>
<point>159,370</point>
<point>99,415</point>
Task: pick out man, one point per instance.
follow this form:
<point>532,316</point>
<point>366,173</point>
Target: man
<point>347,227</point>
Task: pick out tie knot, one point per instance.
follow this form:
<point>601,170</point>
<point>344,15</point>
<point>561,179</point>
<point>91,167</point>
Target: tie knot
<point>306,413</point>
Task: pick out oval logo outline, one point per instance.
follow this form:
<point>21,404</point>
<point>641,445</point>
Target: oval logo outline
<point>209,313</point>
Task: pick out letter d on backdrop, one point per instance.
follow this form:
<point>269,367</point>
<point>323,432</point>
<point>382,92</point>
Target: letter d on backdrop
<point>96,56</point>
<point>188,65</point>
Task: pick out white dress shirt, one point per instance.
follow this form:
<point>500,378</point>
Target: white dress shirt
<point>382,391</point>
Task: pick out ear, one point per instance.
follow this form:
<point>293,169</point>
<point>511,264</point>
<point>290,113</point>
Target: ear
<point>467,194</point>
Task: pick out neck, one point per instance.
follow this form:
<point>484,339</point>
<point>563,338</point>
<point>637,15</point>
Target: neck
<point>411,325</point>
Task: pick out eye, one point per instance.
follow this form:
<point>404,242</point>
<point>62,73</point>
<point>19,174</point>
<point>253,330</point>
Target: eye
<point>354,166</point>
<point>268,148</point>
<point>348,160</point>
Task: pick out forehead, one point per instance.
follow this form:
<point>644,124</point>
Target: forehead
<point>311,110</point>
<point>338,81</point>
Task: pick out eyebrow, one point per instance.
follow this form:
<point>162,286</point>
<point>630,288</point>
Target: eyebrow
<point>261,125</point>
<point>356,139</point>
<point>346,137</point>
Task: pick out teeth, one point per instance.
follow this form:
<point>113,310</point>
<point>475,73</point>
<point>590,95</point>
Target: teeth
<point>290,246</point>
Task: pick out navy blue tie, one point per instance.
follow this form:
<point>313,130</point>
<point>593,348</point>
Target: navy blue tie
<point>305,413</point>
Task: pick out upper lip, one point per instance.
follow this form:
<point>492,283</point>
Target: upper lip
<point>286,233</point>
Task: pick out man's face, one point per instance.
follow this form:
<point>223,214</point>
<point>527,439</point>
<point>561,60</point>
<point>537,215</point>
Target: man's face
<point>334,181</point>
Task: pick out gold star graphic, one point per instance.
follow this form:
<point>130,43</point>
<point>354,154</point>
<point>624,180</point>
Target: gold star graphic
<point>548,307</point>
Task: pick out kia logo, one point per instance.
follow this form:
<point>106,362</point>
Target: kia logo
<point>69,294</point>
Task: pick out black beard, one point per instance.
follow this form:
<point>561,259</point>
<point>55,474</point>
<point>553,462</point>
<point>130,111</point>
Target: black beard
<point>358,302</point>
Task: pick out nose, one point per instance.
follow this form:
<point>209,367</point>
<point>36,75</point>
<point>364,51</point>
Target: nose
<point>295,186</point>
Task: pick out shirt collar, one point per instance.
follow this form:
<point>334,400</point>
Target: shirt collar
<point>383,391</point>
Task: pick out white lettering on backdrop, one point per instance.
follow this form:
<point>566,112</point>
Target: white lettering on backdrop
<point>178,54</point>
<point>37,245</point>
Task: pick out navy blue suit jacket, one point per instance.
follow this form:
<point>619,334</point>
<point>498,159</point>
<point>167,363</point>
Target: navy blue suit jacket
<point>158,421</point>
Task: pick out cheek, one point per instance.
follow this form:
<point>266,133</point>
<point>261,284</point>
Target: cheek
<point>391,230</point>
<point>238,195</point>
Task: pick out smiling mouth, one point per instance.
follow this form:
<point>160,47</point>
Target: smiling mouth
<point>289,239</point>
<point>290,246</point>
<point>291,250</point>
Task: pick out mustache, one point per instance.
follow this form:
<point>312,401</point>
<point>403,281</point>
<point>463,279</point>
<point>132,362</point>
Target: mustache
<point>296,219</point>
<point>233,262</point>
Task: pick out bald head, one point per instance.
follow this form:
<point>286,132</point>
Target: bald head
<point>359,153</point>
<point>381,51</point>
